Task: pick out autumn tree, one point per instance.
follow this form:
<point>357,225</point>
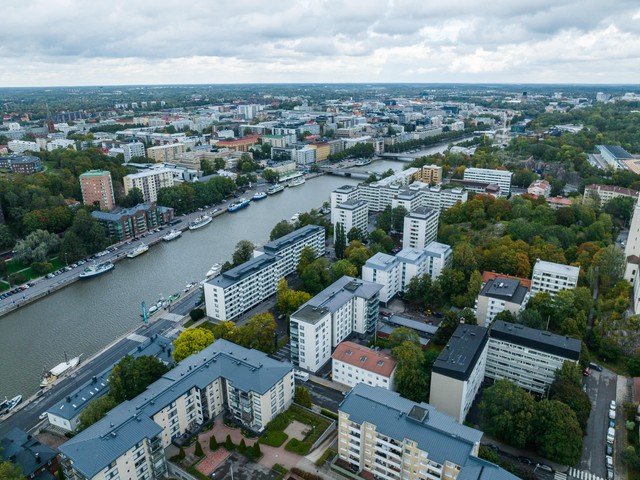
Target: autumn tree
<point>191,341</point>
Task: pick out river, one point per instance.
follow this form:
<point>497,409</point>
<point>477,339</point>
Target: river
<point>86,316</point>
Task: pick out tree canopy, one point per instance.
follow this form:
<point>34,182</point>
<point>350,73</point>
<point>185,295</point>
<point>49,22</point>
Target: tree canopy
<point>191,341</point>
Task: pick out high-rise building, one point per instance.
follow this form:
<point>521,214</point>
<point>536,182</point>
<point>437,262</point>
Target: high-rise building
<point>552,277</point>
<point>166,153</point>
<point>149,182</point>
<point>97,189</point>
<point>352,214</point>
<point>420,228</point>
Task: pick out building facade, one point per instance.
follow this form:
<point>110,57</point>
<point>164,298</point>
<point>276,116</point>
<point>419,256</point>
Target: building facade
<point>289,247</point>
<point>430,174</point>
<point>352,214</point>
<point>499,295</point>
<point>420,228</point>
<point>97,189</point>
<point>603,194</point>
<point>552,277</point>
<point>166,153</point>
<point>500,177</point>
<point>131,222</point>
<point>149,182</point>
<point>539,188</point>
<point>352,363</point>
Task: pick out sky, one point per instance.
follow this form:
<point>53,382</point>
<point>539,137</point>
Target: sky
<point>123,42</point>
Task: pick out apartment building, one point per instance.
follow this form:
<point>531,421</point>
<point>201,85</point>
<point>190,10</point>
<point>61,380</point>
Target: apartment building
<point>438,257</point>
<point>239,144</point>
<point>166,153</point>
<point>384,270</point>
<point>539,188</point>
<point>352,363</point>
<point>383,435</point>
<point>341,195</point>
<point>289,247</point>
<point>603,194</point>
<point>498,295</point>
<point>614,155</point>
<point>459,370</point>
<point>21,146</point>
<point>22,164</point>
<point>442,199</point>
<point>430,174</point>
<point>128,223</point>
<point>500,177</point>
<point>409,199</point>
<point>149,182</point>
<point>420,228</point>
<point>97,189</point>
<point>346,306</point>
<point>129,442</point>
<point>552,277</point>
<point>131,150</point>
<point>528,357</point>
<point>36,460</point>
<point>352,214</point>
<point>241,288</point>
<point>377,195</point>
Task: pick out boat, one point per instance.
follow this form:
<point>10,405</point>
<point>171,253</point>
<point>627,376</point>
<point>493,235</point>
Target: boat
<point>172,235</point>
<point>215,269</point>
<point>295,217</point>
<point>139,250</point>
<point>97,269</point>
<point>259,196</point>
<point>48,377</point>
<point>235,206</point>
<point>297,181</point>
<point>363,162</point>
<point>275,189</point>
<point>7,405</point>
<point>201,221</point>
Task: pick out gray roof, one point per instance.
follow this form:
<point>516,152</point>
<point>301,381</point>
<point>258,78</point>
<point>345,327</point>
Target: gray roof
<point>618,152</point>
<point>438,434</point>
<point>408,194</point>
<point>352,204</point>
<point>275,246</point>
<point>381,261</point>
<point>22,448</point>
<point>422,212</point>
<point>335,296</point>
<point>422,327</point>
<point>555,268</point>
<point>460,356</point>
<point>479,469</point>
<point>507,289</point>
<point>537,339</point>
<point>130,422</point>
<point>436,249</point>
<point>243,270</point>
<point>411,255</point>
<point>346,189</point>
<point>120,214</point>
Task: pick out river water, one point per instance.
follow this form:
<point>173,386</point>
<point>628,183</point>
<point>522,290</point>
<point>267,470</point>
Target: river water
<point>86,316</point>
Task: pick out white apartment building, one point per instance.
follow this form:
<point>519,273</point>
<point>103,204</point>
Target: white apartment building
<point>149,182</point>
<point>384,270</point>
<point>459,370</point>
<point>439,256</point>
<point>552,277</point>
<point>130,150</point>
<point>60,143</point>
<point>305,156</point>
<point>540,188</point>
<point>442,199</point>
<point>289,247</point>
<point>166,153</point>
<point>378,195</point>
<point>130,441</point>
<point>393,438</point>
<point>352,363</point>
<point>352,214</point>
<point>21,146</point>
<point>346,306</point>
<point>420,228</point>
<point>528,357</point>
<point>241,288</point>
<point>408,199</point>
<point>632,255</point>
<point>605,193</point>
<point>498,295</point>
<point>500,177</point>
<point>341,195</point>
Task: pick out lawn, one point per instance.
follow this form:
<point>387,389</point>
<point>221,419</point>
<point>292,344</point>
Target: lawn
<point>275,429</point>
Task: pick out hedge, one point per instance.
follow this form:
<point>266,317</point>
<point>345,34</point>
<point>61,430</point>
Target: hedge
<point>305,475</point>
<point>329,413</point>
<point>274,438</point>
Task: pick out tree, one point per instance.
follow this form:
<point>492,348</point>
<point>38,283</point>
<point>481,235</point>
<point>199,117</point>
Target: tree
<point>198,450</point>
<point>397,218</point>
<point>505,316</point>
<point>96,409</point>
<point>6,238</point>
<point>571,394</point>
<point>411,380</point>
<point>316,277</point>
<point>557,433</point>
<point>132,375</point>
<point>355,234</point>
<point>508,413</point>
<point>464,259</point>
<point>259,333</point>
<point>257,453</point>
<point>228,443</point>
<point>341,240</point>
<point>342,268</point>
<point>36,246</point>
<point>610,264</point>
<point>243,252</point>
<point>288,301</point>
<point>302,397</point>
<point>213,443</point>
<point>191,341</point>
<point>357,254</point>
<point>401,335</point>
<point>10,471</point>
<point>133,198</point>
<point>384,219</point>
<point>281,229</point>
<point>270,176</point>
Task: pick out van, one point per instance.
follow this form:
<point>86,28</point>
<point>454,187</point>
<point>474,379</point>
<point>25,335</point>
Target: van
<point>611,435</point>
<point>300,375</point>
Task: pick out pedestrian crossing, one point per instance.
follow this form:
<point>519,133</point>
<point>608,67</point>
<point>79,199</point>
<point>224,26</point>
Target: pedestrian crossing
<point>574,473</point>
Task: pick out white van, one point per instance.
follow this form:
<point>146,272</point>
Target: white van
<point>611,435</point>
<point>300,375</point>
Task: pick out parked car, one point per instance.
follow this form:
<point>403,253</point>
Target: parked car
<point>612,414</point>
<point>612,405</point>
<point>612,423</point>
<point>609,450</point>
<point>544,467</point>
<point>595,366</point>
<point>525,460</point>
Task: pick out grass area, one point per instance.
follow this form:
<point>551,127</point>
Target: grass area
<point>329,413</point>
<point>274,438</point>
<point>4,286</point>
<point>281,470</point>
<point>277,426</point>
<point>325,456</point>
<point>189,323</point>
<point>208,325</point>
<point>14,266</point>
<point>619,366</point>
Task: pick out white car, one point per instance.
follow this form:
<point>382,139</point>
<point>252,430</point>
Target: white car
<point>612,405</point>
<point>43,415</point>
<point>612,414</point>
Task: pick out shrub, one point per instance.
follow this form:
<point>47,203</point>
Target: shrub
<point>242,447</point>
<point>257,453</point>
<point>281,470</point>
<point>325,456</point>
<point>274,438</point>
<point>199,452</point>
<point>196,314</point>
<point>213,443</point>
<point>329,413</point>
<point>297,446</point>
<point>305,475</point>
<point>228,443</point>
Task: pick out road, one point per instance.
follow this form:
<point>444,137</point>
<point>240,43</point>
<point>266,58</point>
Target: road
<point>27,417</point>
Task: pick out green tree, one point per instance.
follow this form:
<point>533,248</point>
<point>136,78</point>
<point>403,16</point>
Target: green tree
<point>303,397</point>
<point>342,268</point>
<point>397,218</point>
<point>213,443</point>
<point>228,444</point>
<point>384,219</point>
<point>411,380</point>
<point>133,198</point>
<point>357,254</point>
<point>288,301</point>
<point>508,413</point>
<point>572,395</point>
<point>198,450</point>
<point>557,433</point>
<point>243,252</point>
<point>259,333</point>
<point>191,341</point>
<point>464,259</point>
<point>10,471</point>
<point>6,238</point>
<point>401,335</point>
<point>355,234</point>
<point>132,375</point>
<point>341,240</point>
<point>307,257</point>
<point>257,453</point>
<point>610,264</point>
<point>36,246</point>
<point>96,409</point>
<point>270,176</point>
<point>316,277</point>
<point>281,229</point>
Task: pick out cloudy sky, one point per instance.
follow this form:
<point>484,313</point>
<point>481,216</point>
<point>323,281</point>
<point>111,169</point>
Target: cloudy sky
<point>98,42</point>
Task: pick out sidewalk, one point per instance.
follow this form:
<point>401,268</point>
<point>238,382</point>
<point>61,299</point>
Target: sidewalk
<point>515,452</point>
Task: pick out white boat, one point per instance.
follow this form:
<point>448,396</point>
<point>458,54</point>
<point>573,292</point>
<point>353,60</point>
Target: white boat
<point>295,217</point>
<point>200,222</point>
<point>214,270</point>
<point>275,189</point>
<point>297,181</point>
<point>259,196</point>
<point>7,405</point>
<point>52,375</point>
<point>172,235</point>
<point>97,269</point>
<point>139,250</point>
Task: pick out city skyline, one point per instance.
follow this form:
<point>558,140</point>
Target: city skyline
<point>115,43</point>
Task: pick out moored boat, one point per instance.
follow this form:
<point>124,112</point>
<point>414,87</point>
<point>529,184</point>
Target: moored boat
<point>96,269</point>
<point>139,250</point>
<point>48,377</point>
<point>259,196</point>
<point>172,235</point>
<point>7,405</point>
<point>215,269</point>
<point>295,217</point>
<point>275,189</point>
<point>200,222</point>
<point>297,181</point>
<point>235,206</point>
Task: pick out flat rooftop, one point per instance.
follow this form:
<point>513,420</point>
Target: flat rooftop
<point>537,339</point>
<point>556,268</point>
<point>460,356</point>
<point>507,289</point>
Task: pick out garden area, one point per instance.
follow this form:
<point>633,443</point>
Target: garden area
<point>14,272</point>
<point>304,428</point>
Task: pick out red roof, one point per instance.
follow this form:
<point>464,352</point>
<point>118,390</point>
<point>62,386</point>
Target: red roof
<point>486,276</point>
<point>559,200</point>
<point>365,358</point>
